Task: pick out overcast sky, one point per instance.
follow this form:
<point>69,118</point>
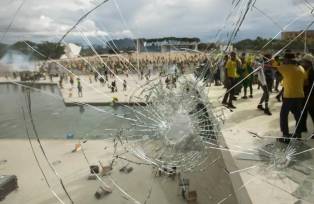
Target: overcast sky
<point>40,20</point>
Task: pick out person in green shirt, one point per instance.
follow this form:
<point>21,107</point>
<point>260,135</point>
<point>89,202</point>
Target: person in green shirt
<point>79,88</point>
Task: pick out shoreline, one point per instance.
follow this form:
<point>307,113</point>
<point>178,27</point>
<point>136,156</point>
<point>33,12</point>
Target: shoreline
<point>92,98</point>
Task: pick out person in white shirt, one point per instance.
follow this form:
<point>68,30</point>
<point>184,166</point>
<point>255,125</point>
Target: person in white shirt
<point>263,83</point>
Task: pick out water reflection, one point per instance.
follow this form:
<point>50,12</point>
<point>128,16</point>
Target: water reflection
<point>82,109</point>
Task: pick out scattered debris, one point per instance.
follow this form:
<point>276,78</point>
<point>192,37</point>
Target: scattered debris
<point>126,169</point>
<point>171,172</point>
<point>102,191</point>
<point>7,185</point>
<point>128,160</point>
<point>55,163</point>
<point>94,169</point>
<point>106,170</point>
<point>254,134</point>
<point>92,177</point>
<point>3,161</point>
<point>192,197</point>
<point>77,148</point>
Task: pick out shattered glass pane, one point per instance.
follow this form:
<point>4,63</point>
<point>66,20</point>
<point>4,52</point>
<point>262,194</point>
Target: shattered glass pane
<point>165,137</point>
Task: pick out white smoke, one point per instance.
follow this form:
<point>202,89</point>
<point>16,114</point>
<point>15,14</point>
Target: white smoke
<point>16,61</point>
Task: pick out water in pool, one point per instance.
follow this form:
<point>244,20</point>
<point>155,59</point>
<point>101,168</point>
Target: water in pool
<point>52,118</point>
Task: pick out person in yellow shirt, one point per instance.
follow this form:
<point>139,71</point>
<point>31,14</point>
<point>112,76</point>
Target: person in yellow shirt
<point>246,70</point>
<point>231,74</point>
<point>307,62</point>
<point>294,77</point>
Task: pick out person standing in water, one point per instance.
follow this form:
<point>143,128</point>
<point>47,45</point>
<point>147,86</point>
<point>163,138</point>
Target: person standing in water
<point>79,88</point>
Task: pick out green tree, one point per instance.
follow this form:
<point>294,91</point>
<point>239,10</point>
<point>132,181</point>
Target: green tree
<point>206,46</point>
<point>50,50</point>
<point>272,45</point>
<point>3,48</point>
<point>22,47</point>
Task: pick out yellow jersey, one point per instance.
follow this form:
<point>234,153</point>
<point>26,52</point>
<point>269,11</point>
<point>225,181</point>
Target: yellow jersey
<point>231,67</point>
<point>294,77</point>
<point>246,68</point>
<point>275,64</point>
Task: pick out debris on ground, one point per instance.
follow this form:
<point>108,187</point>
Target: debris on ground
<point>3,161</point>
<point>55,163</point>
<point>94,169</point>
<point>92,177</point>
<point>126,169</point>
<point>8,183</point>
<point>102,191</point>
<point>105,169</point>
<point>77,148</point>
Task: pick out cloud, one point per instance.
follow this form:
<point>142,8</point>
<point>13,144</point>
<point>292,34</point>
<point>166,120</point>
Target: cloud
<point>49,20</point>
<point>302,1</point>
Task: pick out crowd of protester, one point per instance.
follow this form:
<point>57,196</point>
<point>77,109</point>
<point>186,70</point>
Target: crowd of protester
<point>238,74</point>
<point>294,72</point>
<point>125,64</point>
<point>105,70</point>
<point>290,76</point>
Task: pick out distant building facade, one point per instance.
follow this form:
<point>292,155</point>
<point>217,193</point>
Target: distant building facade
<point>167,44</point>
<point>225,48</point>
<point>289,35</point>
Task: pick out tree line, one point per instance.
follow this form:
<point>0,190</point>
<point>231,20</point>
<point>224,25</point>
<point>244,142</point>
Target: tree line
<point>48,50</point>
<point>276,44</point>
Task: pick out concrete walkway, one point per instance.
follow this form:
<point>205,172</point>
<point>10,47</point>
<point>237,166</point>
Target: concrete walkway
<point>263,183</point>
